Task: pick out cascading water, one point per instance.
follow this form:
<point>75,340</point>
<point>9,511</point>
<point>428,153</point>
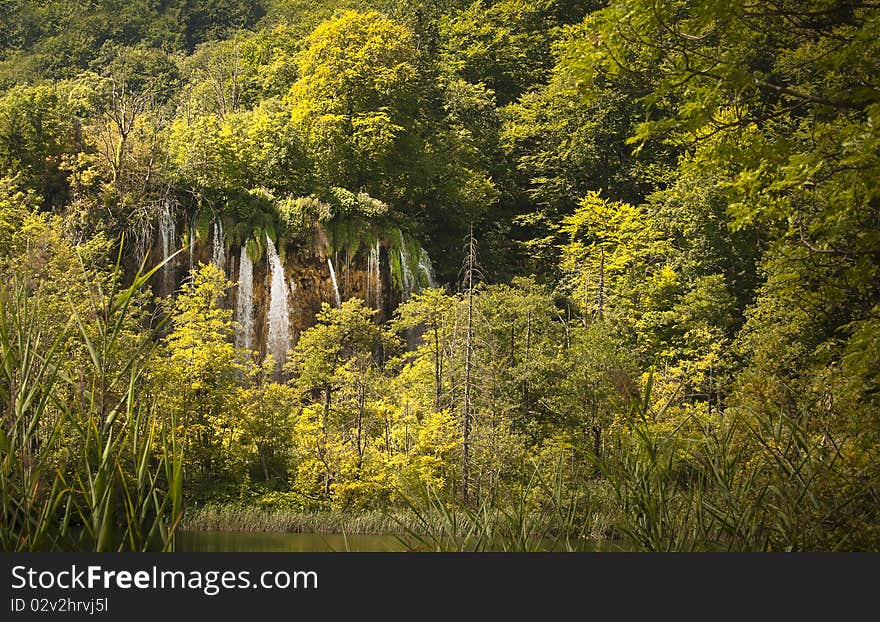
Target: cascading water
<point>166,239</point>
<point>335,285</point>
<point>244,308</point>
<point>374,280</point>
<point>407,280</point>
<point>426,269</point>
<point>192,243</point>
<point>278,339</point>
<point>218,257</point>
<point>142,233</point>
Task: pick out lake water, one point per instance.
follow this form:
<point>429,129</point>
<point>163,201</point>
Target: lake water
<point>279,542</point>
<point>247,541</point>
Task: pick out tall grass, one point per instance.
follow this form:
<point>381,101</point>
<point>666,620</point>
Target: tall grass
<point>86,462</point>
<point>751,481</point>
<point>539,515</point>
<point>756,481</point>
<point>516,523</point>
<point>32,493</point>
<point>241,517</point>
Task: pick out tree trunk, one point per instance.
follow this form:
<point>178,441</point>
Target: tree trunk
<point>438,369</point>
<point>512,344</point>
<point>525,382</point>
<point>360,429</point>
<point>467,398</point>
<point>118,159</point>
<point>326,414</point>
<point>468,363</point>
<point>324,420</point>
<point>601,295</point>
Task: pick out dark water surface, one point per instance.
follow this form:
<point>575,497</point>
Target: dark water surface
<point>247,541</point>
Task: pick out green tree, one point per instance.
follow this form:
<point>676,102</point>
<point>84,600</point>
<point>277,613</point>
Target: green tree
<point>432,312</point>
<point>612,247</point>
<point>196,373</point>
<point>505,44</point>
<point>337,357</point>
<point>262,427</point>
<point>353,100</point>
<point>40,133</point>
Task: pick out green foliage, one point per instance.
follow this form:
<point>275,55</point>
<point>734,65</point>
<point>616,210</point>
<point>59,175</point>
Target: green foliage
<point>39,134</point>
<point>406,263</point>
<point>755,482</point>
<point>57,39</point>
<point>505,45</point>
<point>351,102</point>
<point>441,525</point>
<point>228,155</point>
<point>302,214</point>
<point>611,247</point>
<point>88,460</point>
<point>195,373</point>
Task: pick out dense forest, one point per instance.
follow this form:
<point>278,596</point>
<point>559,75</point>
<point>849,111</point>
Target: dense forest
<point>501,271</point>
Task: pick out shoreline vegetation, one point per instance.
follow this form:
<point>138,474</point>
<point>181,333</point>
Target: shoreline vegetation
<point>443,531</point>
<point>235,516</point>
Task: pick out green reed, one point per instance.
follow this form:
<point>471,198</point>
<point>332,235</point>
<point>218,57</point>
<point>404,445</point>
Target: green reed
<point>755,481</point>
<point>86,461</point>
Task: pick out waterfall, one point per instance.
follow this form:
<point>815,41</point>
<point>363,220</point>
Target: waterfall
<point>426,269</point>
<point>407,280</point>
<point>166,239</point>
<point>374,280</point>
<point>244,308</point>
<point>192,243</point>
<point>218,257</point>
<point>142,233</point>
<point>278,339</point>
<point>335,285</point>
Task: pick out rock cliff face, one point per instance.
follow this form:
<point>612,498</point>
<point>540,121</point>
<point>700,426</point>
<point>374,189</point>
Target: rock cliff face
<point>382,271</point>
